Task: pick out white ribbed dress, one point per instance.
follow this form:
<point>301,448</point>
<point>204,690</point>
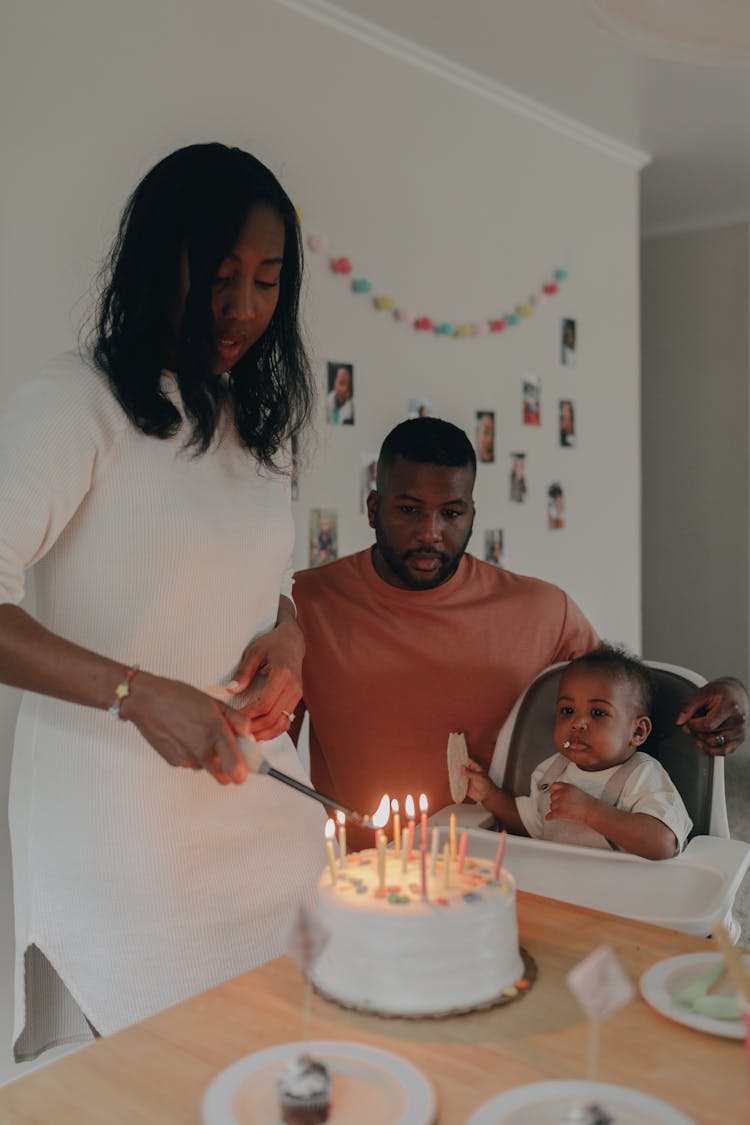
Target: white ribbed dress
<point>139,883</point>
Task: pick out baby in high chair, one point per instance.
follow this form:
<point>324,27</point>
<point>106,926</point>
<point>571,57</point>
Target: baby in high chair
<point>599,789</point>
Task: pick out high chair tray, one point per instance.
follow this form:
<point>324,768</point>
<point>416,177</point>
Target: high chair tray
<point>688,893</point>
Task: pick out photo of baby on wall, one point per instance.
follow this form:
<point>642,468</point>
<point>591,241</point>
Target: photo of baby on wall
<point>532,395</point>
<point>568,342</point>
<point>493,547</point>
<point>567,423</point>
<point>555,506</point>
<point>419,408</point>
<point>485,440</point>
<point>340,397</point>
<point>517,477</point>
<point>324,539</point>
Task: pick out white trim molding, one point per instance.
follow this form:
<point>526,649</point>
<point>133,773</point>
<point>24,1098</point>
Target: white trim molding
<point>407,51</point>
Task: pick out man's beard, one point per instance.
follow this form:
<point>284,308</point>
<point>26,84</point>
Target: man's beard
<point>397,562</point>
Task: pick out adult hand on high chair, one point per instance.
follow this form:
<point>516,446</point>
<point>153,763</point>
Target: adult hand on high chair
<point>716,716</point>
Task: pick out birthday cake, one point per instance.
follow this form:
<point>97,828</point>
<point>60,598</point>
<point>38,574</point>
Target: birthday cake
<point>394,950</point>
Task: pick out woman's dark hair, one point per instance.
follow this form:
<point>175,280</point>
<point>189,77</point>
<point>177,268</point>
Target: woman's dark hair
<point>427,441</point>
<point>196,200</point>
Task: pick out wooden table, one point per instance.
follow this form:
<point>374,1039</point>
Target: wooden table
<point>157,1071</point>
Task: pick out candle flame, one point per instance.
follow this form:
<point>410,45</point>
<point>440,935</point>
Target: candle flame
<point>409,805</point>
<point>340,818</point>
<point>330,829</point>
<point>394,805</point>
<point>422,803</point>
<point>380,818</point>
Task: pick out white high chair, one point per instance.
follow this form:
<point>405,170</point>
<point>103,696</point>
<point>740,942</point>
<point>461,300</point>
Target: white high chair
<point>690,892</point>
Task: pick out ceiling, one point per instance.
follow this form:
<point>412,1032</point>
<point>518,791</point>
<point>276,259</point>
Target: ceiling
<point>667,80</point>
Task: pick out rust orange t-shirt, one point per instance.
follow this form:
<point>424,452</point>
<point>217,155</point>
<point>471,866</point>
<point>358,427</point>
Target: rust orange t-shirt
<point>389,673</point>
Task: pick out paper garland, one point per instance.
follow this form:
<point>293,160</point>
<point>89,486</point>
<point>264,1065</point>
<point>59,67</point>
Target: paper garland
<point>383,302</point>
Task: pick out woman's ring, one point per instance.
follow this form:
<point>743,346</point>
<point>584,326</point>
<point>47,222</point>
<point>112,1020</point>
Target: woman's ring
<point>720,739</point>
<point>290,716</point>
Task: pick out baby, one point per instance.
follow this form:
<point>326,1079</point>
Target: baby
<point>599,789</point>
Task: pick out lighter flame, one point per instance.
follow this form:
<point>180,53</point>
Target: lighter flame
<point>340,818</point>
<point>409,806</point>
<point>380,818</point>
<point>422,803</point>
<point>394,805</point>
<point>330,829</point>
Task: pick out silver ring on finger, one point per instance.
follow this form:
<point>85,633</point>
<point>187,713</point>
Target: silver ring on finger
<point>720,739</point>
<point>290,716</point>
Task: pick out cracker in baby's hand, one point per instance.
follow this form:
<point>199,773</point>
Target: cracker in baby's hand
<point>458,756</point>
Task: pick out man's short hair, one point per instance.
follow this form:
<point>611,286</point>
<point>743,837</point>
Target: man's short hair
<point>621,664</point>
<point>427,441</point>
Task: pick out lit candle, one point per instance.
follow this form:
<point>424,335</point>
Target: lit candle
<point>423,866</point>
<point>382,841</point>
<point>330,833</point>
<point>434,850</point>
<point>409,805</point>
<point>446,866</point>
<point>462,852</point>
<point>499,856</point>
<point>404,850</point>
<point>379,818</point>
<point>396,829</point>
<point>342,839</point>
<point>423,821</point>
<point>452,835</point>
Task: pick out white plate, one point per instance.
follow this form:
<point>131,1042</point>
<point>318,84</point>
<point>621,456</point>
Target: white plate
<point>661,983</point>
<point>368,1086</point>
<point>545,1103</point>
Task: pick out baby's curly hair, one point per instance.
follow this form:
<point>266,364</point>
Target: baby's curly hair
<point>621,664</point>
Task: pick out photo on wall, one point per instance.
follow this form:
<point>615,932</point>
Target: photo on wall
<point>368,478</point>
<point>485,435</point>
<point>532,400</point>
<point>555,506</point>
<point>567,423</point>
<point>340,397</point>
<point>493,547</point>
<point>518,477</point>
<point>568,342</point>
<point>419,408</point>
<point>324,536</point>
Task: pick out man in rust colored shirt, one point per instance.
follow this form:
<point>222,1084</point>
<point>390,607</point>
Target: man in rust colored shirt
<point>413,638</point>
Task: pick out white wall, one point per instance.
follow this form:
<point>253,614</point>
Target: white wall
<point>453,204</point>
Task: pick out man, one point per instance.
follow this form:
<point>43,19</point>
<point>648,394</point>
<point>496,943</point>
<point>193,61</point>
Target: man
<point>414,638</point>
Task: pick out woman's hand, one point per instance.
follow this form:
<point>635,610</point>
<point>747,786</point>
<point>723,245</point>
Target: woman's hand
<point>188,728</point>
<point>271,670</point>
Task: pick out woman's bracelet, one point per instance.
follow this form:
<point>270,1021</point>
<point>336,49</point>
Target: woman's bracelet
<point>122,691</point>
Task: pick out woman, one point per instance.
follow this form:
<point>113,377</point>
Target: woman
<point>147,479</point>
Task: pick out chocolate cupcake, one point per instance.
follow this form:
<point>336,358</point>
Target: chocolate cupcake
<point>304,1091</point>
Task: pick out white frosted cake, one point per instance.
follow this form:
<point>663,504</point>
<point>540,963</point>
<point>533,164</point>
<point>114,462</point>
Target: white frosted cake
<point>395,952</point>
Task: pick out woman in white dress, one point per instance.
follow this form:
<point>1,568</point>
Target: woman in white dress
<point>145,480</point>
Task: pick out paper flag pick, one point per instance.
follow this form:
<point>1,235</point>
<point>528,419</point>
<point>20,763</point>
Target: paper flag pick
<point>307,938</point>
<point>600,984</point>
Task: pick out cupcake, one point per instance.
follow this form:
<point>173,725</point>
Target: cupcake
<point>304,1090</point>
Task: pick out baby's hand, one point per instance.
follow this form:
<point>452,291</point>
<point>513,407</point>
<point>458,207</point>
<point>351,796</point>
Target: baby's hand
<point>567,802</point>
<point>480,786</point>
